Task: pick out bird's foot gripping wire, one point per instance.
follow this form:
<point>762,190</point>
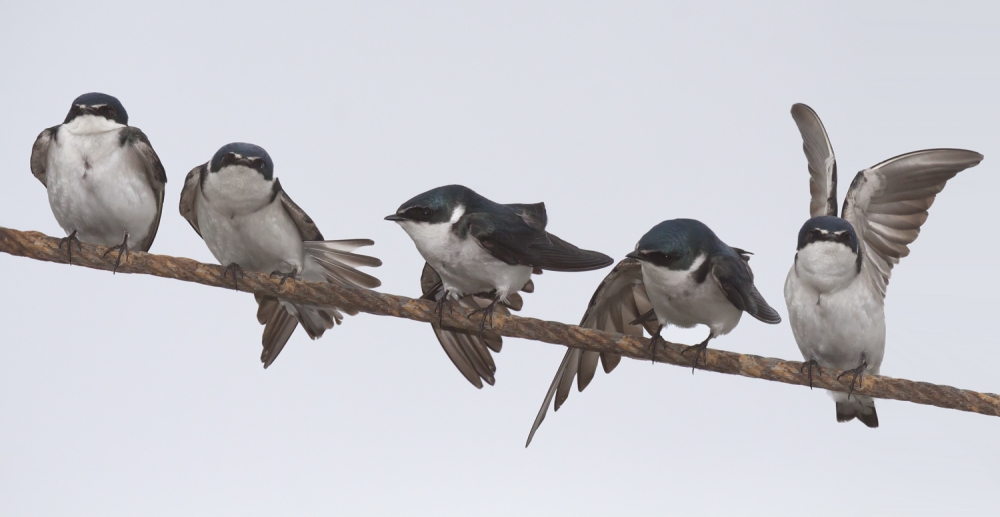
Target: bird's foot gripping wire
<point>122,250</point>
<point>856,375</point>
<point>236,271</point>
<point>284,276</point>
<point>68,241</point>
<point>655,340</point>
<point>487,313</point>
<point>700,350</point>
<point>808,366</point>
<point>440,305</point>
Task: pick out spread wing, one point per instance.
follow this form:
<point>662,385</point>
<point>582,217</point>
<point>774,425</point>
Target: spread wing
<point>888,203</point>
<point>156,176</point>
<point>733,275</point>
<point>617,303</point>
<point>822,162</point>
<point>469,351</point>
<point>509,238</point>
<point>190,192</point>
<point>307,228</point>
<point>40,153</point>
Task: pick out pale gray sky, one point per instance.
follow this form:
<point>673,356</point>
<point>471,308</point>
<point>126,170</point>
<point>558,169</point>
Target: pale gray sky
<point>128,395</point>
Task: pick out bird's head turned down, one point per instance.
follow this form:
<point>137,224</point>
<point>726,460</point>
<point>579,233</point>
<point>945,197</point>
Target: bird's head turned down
<point>239,154</point>
<point>98,105</point>
<point>434,206</point>
<point>828,228</point>
<point>675,244</point>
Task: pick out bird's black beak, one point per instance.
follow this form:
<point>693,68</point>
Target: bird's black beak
<point>395,217</point>
<point>634,255</point>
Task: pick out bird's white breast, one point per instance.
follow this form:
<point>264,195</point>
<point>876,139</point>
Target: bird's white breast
<point>465,267</point>
<point>240,223</point>
<point>834,313</point>
<point>96,186</point>
<point>678,299</point>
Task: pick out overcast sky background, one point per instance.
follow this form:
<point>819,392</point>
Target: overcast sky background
<point>135,395</point>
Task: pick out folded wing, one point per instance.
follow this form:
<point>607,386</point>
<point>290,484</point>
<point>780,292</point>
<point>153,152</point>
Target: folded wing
<point>733,275</point>
<point>145,157</point>
<point>189,193</point>
<point>40,153</point>
<point>516,242</point>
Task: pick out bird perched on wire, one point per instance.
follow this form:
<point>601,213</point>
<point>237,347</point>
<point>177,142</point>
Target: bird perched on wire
<point>479,255</point>
<point>247,221</point>
<point>835,290</point>
<point>680,274</point>
<point>104,180</point>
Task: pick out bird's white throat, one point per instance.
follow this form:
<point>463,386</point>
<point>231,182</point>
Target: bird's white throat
<point>432,237</point>
<point>90,124</point>
<point>238,190</point>
<point>826,266</point>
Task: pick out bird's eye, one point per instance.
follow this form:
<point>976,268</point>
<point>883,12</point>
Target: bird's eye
<point>227,159</point>
<point>261,164</point>
<point>111,111</point>
<point>662,259</point>
<point>426,212</point>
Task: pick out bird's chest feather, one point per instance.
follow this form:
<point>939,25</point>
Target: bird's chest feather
<point>97,187</point>
<point>679,299</point>
<point>465,267</point>
<point>835,316</point>
<point>247,228</point>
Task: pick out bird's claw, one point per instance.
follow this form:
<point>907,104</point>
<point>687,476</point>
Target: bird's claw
<point>701,350</point>
<point>439,306</point>
<point>284,276</point>
<point>122,250</point>
<point>487,313</point>
<point>808,366</point>
<point>237,272</point>
<point>68,241</point>
<point>653,341</point>
<point>857,374</point>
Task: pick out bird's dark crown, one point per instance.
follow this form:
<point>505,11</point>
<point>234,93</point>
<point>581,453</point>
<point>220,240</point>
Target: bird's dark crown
<point>98,104</point>
<point>675,244</point>
<point>436,205</point>
<point>241,153</point>
<point>828,228</point>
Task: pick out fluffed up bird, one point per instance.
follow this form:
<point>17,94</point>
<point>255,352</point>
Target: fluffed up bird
<point>479,255</point>
<point>105,182</point>
<point>680,274</point>
<point>247,221</point>
<point>835,290</point>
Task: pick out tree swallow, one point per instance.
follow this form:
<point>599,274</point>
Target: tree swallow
<point>835,290</point>
<point>239,209</point>
<point>481,251</point>
<point>679,274</point>
<point>105,182</point>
